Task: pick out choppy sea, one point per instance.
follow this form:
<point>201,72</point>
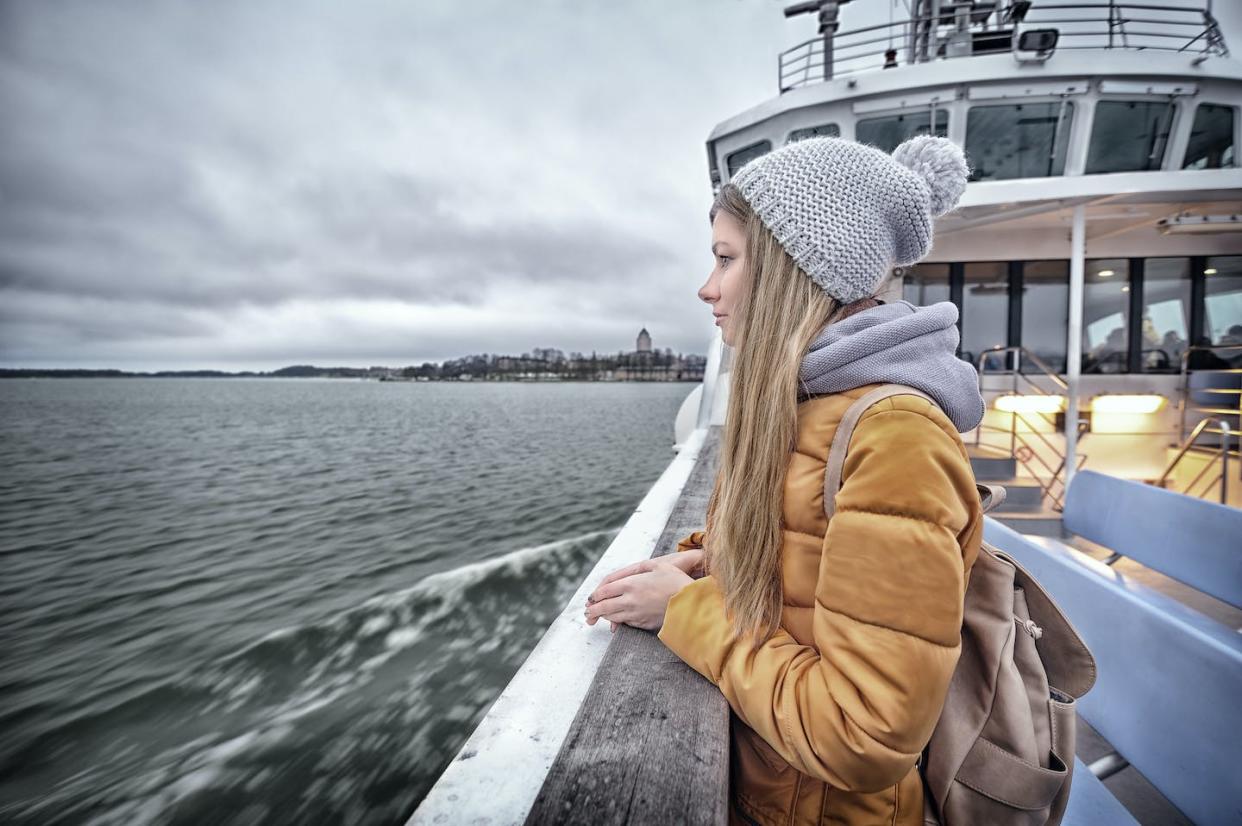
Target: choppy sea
<point>250,601</point>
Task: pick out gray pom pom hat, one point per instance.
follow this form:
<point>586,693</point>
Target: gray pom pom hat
<point>848,212</point>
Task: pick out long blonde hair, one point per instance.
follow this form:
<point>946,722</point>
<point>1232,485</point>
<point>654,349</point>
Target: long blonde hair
<point>780,315</point>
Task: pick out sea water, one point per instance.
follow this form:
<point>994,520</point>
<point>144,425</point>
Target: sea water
<point>264,600</point>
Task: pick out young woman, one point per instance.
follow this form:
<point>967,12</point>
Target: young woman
<point>833,640</point>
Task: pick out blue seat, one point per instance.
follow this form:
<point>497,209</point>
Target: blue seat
<point>1191,540</point>
<point>1092,804</point>
<point>1169,679</point>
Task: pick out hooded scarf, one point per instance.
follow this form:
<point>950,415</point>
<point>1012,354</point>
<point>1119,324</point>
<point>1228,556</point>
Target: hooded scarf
<point>897,342</point>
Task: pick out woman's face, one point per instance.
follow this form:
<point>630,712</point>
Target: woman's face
<point>727,283</point>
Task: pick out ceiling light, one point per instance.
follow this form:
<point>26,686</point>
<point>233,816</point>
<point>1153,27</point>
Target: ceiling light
<point>1030,404</point>
<point>1119,403</point>
<point>1200,224</point>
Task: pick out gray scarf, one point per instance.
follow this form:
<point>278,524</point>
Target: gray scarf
<point>897,342</point>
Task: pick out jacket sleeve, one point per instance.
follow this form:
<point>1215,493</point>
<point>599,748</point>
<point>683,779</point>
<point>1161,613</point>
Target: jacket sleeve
<point>856,709</point>
<point>692,542</point>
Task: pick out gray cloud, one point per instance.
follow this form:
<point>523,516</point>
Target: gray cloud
<point>251,183</point>
<point>173,173</point>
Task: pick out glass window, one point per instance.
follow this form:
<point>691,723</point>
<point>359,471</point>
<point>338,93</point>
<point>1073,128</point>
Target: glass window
<point>743,156</point>
<point>1222,281</point>
<point>891,131</point>
<point>985,311</point>
<point>1211,138</point>
<point>1105,315</point>
<point>1045,313</point>
<point>829,130</point>
<point>1166,313</point>
<point>1024,140</point>
<point>1128,135</point>
<point>925,284</point>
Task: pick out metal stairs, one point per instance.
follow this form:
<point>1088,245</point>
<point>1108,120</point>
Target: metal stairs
<point>1216,394</point>
<point>1024,509</point>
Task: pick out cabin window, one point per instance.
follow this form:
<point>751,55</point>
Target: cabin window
<point>1222,281</point>
<point>985,311</point>
<point>1211,138</point>
<point>1106,315</point>
<point>827,130</point>
<point>925,284</point>
<point>1023,140</point>
<point>891,131</point>
<point>744,156</point>
<point>1045,313</point>
<point>1128,135</point>
<point>1166,314</point>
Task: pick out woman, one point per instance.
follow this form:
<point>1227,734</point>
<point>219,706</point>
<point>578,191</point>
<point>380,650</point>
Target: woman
<point>832,640</point>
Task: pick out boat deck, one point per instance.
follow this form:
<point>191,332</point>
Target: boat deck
<point>649,744</point>
<point>648,741</point>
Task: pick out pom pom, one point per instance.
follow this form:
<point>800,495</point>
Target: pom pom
<point>941,163</point>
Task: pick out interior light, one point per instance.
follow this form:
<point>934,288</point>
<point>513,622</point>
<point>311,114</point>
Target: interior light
<point>1120,403</point>
<point>1200,224</point>
<point>1030,404</point>
<point>1105,273</point>
<point>1210,271</point>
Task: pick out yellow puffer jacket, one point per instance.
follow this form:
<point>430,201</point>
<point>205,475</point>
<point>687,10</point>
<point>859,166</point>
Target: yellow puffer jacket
<point>831,713</point>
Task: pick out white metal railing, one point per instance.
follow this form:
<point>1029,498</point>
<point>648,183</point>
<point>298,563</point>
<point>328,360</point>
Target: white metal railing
<point>1222,454</point>
<point>1020,447</point>
<point>1184,400</point>
<point>980,26</point>
<point>497,773</point>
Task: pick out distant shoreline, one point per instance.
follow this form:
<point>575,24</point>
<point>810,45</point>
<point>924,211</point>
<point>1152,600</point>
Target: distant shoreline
<point>327,373</point>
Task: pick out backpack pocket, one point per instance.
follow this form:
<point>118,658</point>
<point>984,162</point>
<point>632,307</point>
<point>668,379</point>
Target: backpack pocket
<point>1016,771</point>
<point>994,786</point>
<point>1062,711</point>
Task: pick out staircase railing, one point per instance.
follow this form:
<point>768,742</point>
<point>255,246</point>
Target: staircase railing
<point>1184,401</point>
<point>1028,457</point>
<point>1222,455</point>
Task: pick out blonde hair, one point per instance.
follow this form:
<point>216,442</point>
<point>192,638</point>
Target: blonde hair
<point>781,313</point>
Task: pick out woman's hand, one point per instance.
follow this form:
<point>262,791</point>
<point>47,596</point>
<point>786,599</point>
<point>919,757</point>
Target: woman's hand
<point>638,594</point>
<point>690,561</point>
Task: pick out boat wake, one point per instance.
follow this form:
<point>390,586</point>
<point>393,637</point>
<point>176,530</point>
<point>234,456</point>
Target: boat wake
<point>349,719</point>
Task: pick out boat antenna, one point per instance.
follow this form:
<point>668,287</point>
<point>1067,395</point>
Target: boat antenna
<point>828,11</point>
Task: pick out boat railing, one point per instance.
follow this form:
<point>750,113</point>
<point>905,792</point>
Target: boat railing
<point>1221,454</point>
<point>1050,478</point>
<point>1184,402</point>
<point>979,27</point>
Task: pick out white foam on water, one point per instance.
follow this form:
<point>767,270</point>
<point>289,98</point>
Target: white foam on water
<point>197,765</point>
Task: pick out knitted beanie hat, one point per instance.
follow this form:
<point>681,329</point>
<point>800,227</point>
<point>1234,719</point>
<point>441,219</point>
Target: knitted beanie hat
<point>848,212</point>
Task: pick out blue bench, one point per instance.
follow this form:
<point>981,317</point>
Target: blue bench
<point>1194,541</point>
<point>1170,678</point>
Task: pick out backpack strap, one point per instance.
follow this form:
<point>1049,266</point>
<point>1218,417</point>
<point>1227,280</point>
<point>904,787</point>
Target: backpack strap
<point>989,495</point>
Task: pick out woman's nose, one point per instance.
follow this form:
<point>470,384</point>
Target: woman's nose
<point>706,293</point>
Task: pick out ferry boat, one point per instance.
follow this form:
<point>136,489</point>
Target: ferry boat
<point>1096,260</point>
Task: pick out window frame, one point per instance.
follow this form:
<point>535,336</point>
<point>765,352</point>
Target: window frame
<point>1177,113</point>
<point>1074,114</point>
<point>728,159</point>
<point>1192,115</point>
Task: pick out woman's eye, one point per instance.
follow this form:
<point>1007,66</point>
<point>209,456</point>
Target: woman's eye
<point>724,258</point>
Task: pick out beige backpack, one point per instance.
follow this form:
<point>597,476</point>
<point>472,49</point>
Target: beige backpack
<point>1002,751</point>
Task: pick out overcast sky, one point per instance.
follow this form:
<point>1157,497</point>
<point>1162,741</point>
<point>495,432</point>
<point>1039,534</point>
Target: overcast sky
<point>246,185</point>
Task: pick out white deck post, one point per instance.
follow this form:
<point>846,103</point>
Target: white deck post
<point>1073,357</point>
<point>711,379</point>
